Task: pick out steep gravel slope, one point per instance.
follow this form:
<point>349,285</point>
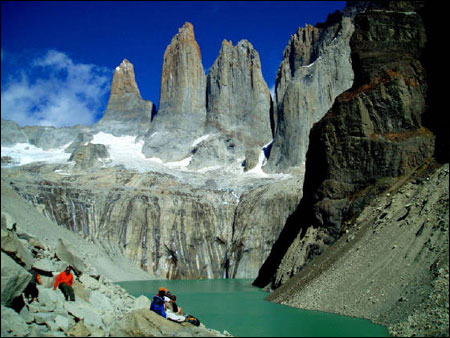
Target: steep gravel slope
<point>392,267</point>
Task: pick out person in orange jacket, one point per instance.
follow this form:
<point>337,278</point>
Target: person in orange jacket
<point>64,282</point>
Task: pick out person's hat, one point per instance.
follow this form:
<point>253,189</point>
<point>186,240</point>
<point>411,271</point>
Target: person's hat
<point>163,289</point>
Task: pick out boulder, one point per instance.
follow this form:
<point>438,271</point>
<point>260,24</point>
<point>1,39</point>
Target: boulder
<point>65,253</point>
<point>142,302</point>
<point>15,247</point>
<point>146,323</point>
<point>7,221</point>
<point>12,323</point>
<point>50,299</point>
<point>14,279</point>
<point>82,310</point>
<point>45,264</point>
<point>101,302</point>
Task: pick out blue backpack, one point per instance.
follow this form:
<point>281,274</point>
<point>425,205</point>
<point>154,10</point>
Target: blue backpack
<point>158,306</point>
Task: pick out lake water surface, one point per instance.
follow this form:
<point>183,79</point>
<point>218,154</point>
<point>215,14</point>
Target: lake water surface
<point>241,309</point>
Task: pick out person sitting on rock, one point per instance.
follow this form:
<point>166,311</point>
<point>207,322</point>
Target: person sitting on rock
<point>159,302</point>
<point>31,291</point>
<point>173,311</point>
<point>64,282</point>
<point>172,305</point>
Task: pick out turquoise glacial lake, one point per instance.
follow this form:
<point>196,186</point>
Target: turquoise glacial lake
<point>238,307</point>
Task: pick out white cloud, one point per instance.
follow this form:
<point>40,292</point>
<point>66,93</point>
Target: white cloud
<point>63,93</point>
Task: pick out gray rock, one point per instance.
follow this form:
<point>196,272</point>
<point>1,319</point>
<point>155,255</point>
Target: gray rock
<point>79,330</point>
<point>82,139</point>
<point>316,68</point>
<point>238,98</point>
<point>183,83</point>
<point>127,112</point>
<point>371,136</point>
<point>12,133</point>
<point>50,299</point>
<point>89,156</point>
<point>141,302</point>
<point>16,248</point>
<point>12,323</point>
<point>145,323</point>
<point>89,282</point>
<point>83,310</point>
<point>8,222</point>
<point>51,137</point>
<point>26,315</point>
<point>102,302</point>
<point>14,279</point>
<point>43,317</point>
<point>182,105</point>
<point>218,149</point>
<point>65,253</point>
<point>45,264</point>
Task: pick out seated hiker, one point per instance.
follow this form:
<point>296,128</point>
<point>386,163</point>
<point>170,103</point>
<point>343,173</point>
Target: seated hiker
<point>159,302</point>
<point>31,291</point>
<point>64,282</point>
<point>173,312</point>
<point>172,305</point>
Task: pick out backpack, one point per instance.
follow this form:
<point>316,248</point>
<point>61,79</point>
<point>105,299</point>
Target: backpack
<point>193,320</point>
<point>157,306</point>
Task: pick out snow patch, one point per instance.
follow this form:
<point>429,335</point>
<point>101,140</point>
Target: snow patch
<point>200,140</point>
<point>311,64</point>
<point>262,160</point>
<point>127,152</point>
<point>25,153</point>
<point>179,164</point>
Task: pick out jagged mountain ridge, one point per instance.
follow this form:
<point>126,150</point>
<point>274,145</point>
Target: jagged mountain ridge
<point>158,221</point>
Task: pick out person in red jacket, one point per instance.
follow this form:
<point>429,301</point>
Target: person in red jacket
<point>64,282</point>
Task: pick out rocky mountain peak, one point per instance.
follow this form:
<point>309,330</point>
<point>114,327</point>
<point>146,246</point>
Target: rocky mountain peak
<point>316,67</point>
<point>182,103</point>
<point>300,48</point>
<point>186,30</point>
<point>124,81</point>
<point>238,98</point>
<point>183,80</point>
<point>126,104</point>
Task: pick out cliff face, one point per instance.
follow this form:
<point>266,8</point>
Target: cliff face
<point>238,98</point>
<point>316,68</point>
<point>169,228</point>
<point>372,135</point>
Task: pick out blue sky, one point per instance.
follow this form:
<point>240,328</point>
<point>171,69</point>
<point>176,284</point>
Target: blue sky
<point>58,57</point>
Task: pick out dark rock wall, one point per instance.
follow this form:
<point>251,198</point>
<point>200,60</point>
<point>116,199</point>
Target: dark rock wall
<point>372,135</point>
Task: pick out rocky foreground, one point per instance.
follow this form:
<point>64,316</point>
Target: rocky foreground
<point>101,308</point>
